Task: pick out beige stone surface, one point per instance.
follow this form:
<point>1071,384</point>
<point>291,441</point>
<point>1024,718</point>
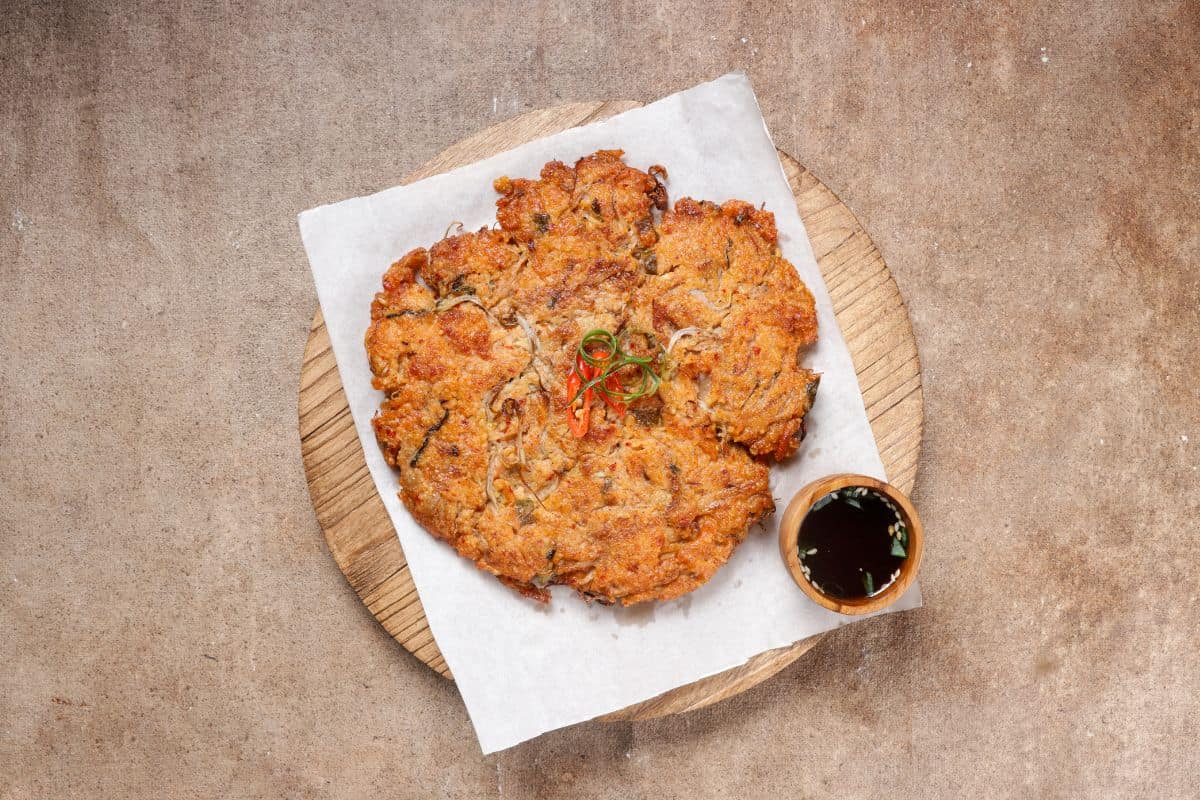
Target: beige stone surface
<point>170,622</point>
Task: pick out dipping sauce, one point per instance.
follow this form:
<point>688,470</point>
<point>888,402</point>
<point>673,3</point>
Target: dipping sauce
<point>852,543</point>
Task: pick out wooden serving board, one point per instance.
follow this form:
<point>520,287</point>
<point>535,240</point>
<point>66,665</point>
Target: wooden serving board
<point>360,533</point>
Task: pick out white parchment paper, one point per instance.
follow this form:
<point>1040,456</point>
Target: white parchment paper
<point>522,668</point>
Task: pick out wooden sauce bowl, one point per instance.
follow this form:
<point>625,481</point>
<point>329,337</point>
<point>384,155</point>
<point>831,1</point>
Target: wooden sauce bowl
<point>789,534</point>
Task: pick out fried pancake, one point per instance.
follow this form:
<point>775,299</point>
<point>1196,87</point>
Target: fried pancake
<point>473,339</point>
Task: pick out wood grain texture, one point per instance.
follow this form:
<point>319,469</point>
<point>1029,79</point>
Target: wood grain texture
<point>359,532</point>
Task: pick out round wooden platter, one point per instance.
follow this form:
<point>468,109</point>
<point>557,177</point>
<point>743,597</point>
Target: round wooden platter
<point>359,532</point>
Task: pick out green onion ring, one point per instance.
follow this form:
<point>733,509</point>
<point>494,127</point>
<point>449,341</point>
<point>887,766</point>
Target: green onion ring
<point>603,337</point>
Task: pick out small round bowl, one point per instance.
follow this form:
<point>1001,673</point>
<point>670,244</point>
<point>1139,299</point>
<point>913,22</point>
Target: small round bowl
<point>789,533</point>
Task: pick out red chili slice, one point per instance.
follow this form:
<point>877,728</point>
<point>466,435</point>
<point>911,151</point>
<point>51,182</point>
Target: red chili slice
<point>611,383</point>
<point>578,424</point>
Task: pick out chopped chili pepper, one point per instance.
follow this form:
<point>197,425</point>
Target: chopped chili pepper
<point>611,383</point>
<point>578,423</point>
<point>599,369</point>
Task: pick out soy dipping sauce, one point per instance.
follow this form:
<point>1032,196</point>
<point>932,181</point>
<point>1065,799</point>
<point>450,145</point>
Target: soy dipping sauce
<point>852,543</point>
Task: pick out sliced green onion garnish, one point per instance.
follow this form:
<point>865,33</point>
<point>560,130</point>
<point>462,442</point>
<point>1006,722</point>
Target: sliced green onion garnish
<point>614,360</point>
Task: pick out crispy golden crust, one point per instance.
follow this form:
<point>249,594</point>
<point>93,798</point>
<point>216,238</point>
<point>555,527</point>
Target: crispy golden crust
<point>720,273</point>
<point>472,342</point>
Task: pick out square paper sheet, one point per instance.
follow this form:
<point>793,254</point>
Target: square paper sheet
<point>524,669</point>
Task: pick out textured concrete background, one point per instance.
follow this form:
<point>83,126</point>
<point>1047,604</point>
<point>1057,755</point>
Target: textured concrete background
<point>170,622</point>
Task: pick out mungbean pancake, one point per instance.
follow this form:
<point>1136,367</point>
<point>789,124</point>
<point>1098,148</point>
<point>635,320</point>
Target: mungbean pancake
<point>589,393</point>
